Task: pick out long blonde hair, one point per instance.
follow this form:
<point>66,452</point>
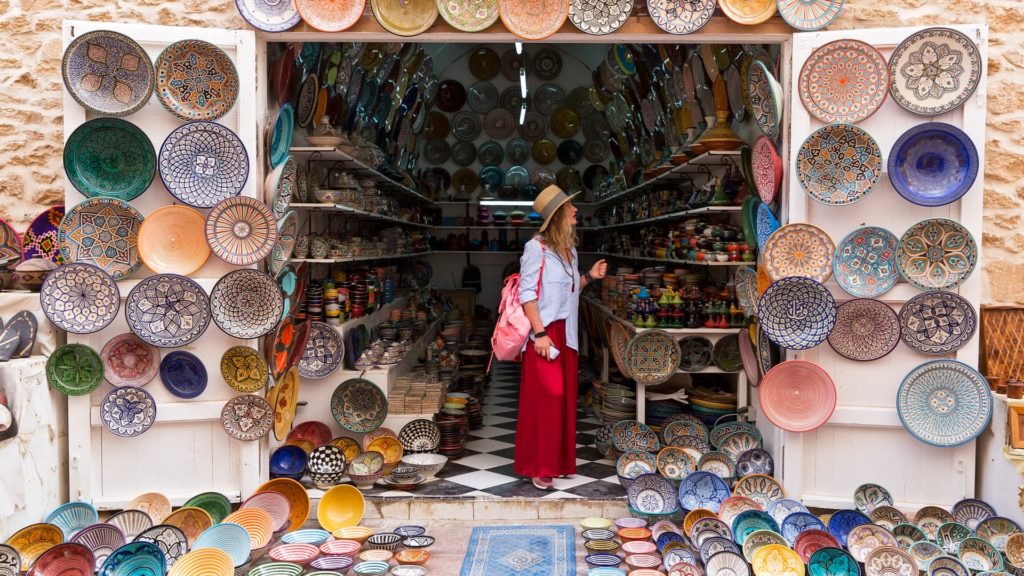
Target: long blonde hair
<point>560,235</point>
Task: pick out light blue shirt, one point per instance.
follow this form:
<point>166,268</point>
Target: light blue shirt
<point>560,288</point>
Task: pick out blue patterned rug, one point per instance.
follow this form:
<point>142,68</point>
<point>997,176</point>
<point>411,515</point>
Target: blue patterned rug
<point>521,551</point>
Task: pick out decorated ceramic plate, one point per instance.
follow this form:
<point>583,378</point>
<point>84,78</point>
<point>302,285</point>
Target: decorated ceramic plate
<point>324,353</point>
<point>128,411</point>
<point>241,230</point>
<point>933,164</point>
<point>247,417</point>
<point>844,82</point>
<point>797,313</point>
<point>10,243</point>
<point>681,16</point>
<point>246,304</point>
<point>653,356</point>
<point>202,163</point>
<point>936,254</point>
<point>103,232</point>
<point>944,403</point>
<point>171,240</point>
<point>183,374</point>
<point>652,494</point>
<point>809,15</point>
<point>284,397</point>
<point>80,298</point>
<point>330,15</point>
<point>283,130</point>
<point>279,187</point>
<point>533,19</point>
<point>243,369</point>
<point>765,97</point>
<point>599,17</point>
<point>74,369</point>
<point>40,239</point>
<point>825,557</point>
<point>748,12</point>
<point>405,18</point>
<point>937,323</point>
<point>797,396</point>
<point>766,224</point>
<point>703,490</point>
<point>128,360</point>
<point>799,250</point>
<point>111,158</point>
<point>268,15</point>
<point>839,164</point>
<point>865,329</point>
<point>196,80</point>
<point>767,168</point>
<point>167,310</point>
<point>865,262</point>
<point>470,16</point>
<point>359,405</point>
<point>287,233</point>
<point>934,71</point>
<point>108,73</point>
<point>285,345</point>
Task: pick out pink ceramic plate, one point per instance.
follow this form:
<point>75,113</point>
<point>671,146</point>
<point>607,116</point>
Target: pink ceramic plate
<point>797,396</point>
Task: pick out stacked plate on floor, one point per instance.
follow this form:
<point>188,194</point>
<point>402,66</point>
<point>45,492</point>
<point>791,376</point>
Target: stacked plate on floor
<point>618,402</point>
<point>453,434</point>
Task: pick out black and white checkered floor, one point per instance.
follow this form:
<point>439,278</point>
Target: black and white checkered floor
<point>485,468</point>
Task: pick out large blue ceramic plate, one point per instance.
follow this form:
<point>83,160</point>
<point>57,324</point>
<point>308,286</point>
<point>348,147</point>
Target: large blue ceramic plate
<point>933,164</point>
<point>703,490</point>
<point>135,559</point>
<point>944,403</point>
<point>202,163</point>
<point>797,313</point>
<point>841,523</point>
<point>281,138</point>
<point>183,374</point>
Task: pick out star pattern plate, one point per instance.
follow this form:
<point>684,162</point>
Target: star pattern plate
<point>103,232</point>
<point>839,164</point>
<point>196,80</point>
<point>844,81</point>
<point>865,329</point>
<point>108,73</point>
<point>799,250</point>
<point>324,353</point>
<point>936,254</point>
<point>653,356</point>
<point>944,403</point>
<point>246,304</point>
<point>128,411</point>
<point>80,298</point>
<point>599,16</point>
<point>241,230</point>
<point>652,494</point>
<point>865,262</point>
<point>937,323</point>
<point>797,313</point>
<point>202,163</point>
<point>359,405</point>
<point>111,158</point>
<point>934,71</point>
<point>243,369</point>
<point>167,310</point>
<point>681,16</point>
<point>247,417</point>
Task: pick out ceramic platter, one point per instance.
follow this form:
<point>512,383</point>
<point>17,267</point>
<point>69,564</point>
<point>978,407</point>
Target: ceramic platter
<point>934,71</point>
<point>281,135</point>
<point>80,298</point>
<point>809,15</point>
<point>167,310</point>
<point>241,230</point>
<point>10,243</point>
<point>797,396</point>
<point>797,313</point>
<point>128,411</point>
<point>243,369</point>
<point>839,164</point>
<point>799,250</point>
<point>74,370</point>
<point>765,99</point>
<point>109,157</point>
<point>202,163</point>
<point>767,168</point>
<point>269,15</point>
<point>183,374</point>
<point>330,15</point>
<point>246,304</point>
<point>681,16</point>
<point>594,17</point>
<point>765,223</point>
<point>280,186</point>
<point>843,82</point>
<point>247,417</point>
<point>40,239</point>
<point>324,353</point>
<point>103,232</point>
<point>533,19</point>
<point>171,240</point>
<point>865,329</point>
<point>287,234</point>
<point>470,16</point>
<point>652,494</point>
<point>865,262</point>
<point>936,254</point>
<point>405,17</point>
<point>748,12</point>
<point>196,80</point>
<point>933,164</point>
<point>108,73</point>
<point>703,490</point>
<point>129,361</point>
<point>284,398</point>
<point>359,405</point>
<point>944,403</point>
<point>937,323</point>
<point>653,356</point>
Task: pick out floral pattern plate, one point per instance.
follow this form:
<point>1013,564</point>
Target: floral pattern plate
<point>865,262</point>
<point>533,19</point>
<point>246,304</point>
<point>128,411</point>
<point>108,73</point>
<point>865,329</point>
<point>111,158</point>
<point>103,232</point>
<point>74,370</point>
<point>653,356</point>
<point>40,239</point>
<point>799,250</point>
<point>767,168</point>
<point>936,254</point>
<point>80,298</point>
<point>652,494</point>
<point>404,17</point>
<point>809,15</point>
<point>933,164</point>
<point>241,230</point>
<point>937,323</point>
<point>839,164</point>
<point>934,71</point>
<point>681,16</point>
<point>324,352</point>
<point>765,99</point>
<point>703,490</point>
<point>167,310</point>
<point>196,80</point>
<point>243,369</point>
<point>469,16</point>
<point>269,15</point>
<point>797,313</point>
<point>843,82</point>
<point>247,417</point>
<point>359,405</point>
<point>128,360</point>
<point>202,163</point>
<point>944,403</point>
<point>599,18</point>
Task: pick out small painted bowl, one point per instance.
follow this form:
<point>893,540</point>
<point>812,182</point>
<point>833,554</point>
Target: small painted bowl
<point>301,554</point>
<point>357,533</point>
<point>384,541</point>
<point>370,569</point>
<point>428,464</point>
<point>414,557</point>
<point>366,481</point>
<point>333,563</point>
<point>375,555</point>
<point>340,548</point>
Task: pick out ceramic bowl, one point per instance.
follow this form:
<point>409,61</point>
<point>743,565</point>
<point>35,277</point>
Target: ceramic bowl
<point>357,533</point>
<point>384,541</point>
<point>414,557</point>
<point>340,507</point>
<point>428,464</point>
<point>370,569</point>
<point>326,480</point>
<point>366,481</point>
<point>327,195</point>
<point>334,564</point>
<point>375,555</point>
<point>300,554</point>
<point>288,461</point>
<point>340,548</point>
<point>405,473</point>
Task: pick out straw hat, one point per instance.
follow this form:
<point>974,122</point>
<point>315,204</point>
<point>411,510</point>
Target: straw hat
<point>548,202</point>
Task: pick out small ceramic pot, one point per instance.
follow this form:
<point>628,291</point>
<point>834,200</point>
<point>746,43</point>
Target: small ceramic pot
<point>318,246</point>
<point>301,249</point>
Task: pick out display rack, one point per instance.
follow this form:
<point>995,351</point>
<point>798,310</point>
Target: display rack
<point>349,211</point>
<point>666,217</point>
<point>714,157</point>
<point>329,154</point>
<point>358,258</point>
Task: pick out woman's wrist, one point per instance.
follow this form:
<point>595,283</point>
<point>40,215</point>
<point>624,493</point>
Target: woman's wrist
<point>540,334</point>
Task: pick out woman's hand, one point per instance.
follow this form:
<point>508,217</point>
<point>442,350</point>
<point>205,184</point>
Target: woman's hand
<point>542,346</point>
<point>599,270</point>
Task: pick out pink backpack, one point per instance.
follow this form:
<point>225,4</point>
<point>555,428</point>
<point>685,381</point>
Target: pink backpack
<point>513,327</point>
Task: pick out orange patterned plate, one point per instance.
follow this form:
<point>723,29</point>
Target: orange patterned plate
<point>373,435</point>
<point>155,504</point>
<point>330,15</point>
<point>390,447</point>
<point>34,539</point>
<point>748,12</point>
<point>284,346</point>
<point>405,17</point>
<point>257,522</point>
<point>283,397</point>
<point>349,446</point>
<point>297,497</point>
<point>203,562</point>
<point>533,19</point>
<point>191,520</point>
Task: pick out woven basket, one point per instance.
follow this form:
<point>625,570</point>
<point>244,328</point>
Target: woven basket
<point>1002,341</point>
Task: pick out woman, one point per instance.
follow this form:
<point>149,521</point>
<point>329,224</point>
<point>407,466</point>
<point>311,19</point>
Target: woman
<point>549,288</point>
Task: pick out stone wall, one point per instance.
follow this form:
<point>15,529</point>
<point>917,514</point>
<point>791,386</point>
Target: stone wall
<point>31,101</point>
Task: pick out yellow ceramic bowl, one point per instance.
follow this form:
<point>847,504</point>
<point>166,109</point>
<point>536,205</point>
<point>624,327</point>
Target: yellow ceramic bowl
<point>357,533</point>
<point>340,507</point>
<point>297,497</point>
<point>203,562</point>
<point>462,401</point>
<point>191,520</point>
<point>376,555</point>
<point>257,522</point>
<point>34,539</point>
<point>777,560</point>
<point>595,523</point>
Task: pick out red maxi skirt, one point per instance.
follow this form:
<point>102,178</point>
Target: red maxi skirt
<point>546,431</point>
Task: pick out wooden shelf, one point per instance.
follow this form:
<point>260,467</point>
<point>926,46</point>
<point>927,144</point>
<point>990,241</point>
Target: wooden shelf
<point>673,260</point>
<point>713,158</point>
<point>671,216</point>
<point>607,312</point>
<point>350,163</point>
<point>356,258</point>
<point>342,209</point>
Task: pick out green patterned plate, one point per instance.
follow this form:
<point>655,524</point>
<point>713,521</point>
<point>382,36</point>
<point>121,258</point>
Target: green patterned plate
<point>111,158</point>
<point>215,503</point>
<point>74,369</point>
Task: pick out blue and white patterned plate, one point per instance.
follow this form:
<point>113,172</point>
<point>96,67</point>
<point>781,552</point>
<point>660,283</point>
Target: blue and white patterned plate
<point>324,353</point>
<point>937,323</point>
<point>202,163</point>
<point>865,262</point>
<point>971,511</point>
<point>652,494</point>
<point>934,71</point>
<point>944,403</point>
<point>755,461</point>
<point>80,298</point>
<point>281,137</point>
<point>269,15</point>
<point>933,164</point>
<point>797,313</point>
<point>108,73</point>
<point>783,507</point>
<point>169,539</point>
<point>128,411</point>
<point>765,99</point>
<point>703,490</point>
<point>842,522</point>
<point>246,303</point>
<point>716,544</point>
<point>798,522</point>
<point>766,224</point>
<point>167,310</point>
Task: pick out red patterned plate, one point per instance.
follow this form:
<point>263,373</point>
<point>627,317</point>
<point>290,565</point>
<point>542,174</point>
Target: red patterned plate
<point>767,168</point>
<point>64,560</point>
<point>316,432</point>
<point>128,360</point>
<point>844,81</point>
<point>810,541</point>
<point>797,396</point>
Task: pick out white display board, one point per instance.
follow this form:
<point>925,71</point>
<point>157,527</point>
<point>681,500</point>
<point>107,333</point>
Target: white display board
<point>864,440</point>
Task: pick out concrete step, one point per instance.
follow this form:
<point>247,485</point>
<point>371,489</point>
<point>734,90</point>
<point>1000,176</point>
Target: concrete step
<point>490,509</point>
